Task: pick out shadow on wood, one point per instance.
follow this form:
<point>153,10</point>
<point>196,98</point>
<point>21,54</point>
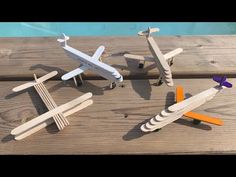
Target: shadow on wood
<point>49,69</point>
<point>144,89</point>
<point>189,123</point>
<point>135,132</point>
<point>86,87</point>
<point>170,99</point>
<point>224,109</point>
<point>7,138</point>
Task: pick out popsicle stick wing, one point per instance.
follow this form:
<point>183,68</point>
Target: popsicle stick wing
<point>98,53</point>
<point>179,94</point>
<point>173,53</point>
<point>50,121</point>
<point>24,86</point>
<point>49,114</point>
<point>194,115</point>
<point>204,118</point>
<point>74,73</point>
<point>139,57</point>
<point>47,76</point>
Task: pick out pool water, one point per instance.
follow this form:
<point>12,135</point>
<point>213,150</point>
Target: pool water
<point>40,29</point>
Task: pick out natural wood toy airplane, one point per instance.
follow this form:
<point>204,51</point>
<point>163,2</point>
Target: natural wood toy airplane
<point>163,62</point>
<point>89,63</point>
<point>182,107</point>
<point>55,114</point>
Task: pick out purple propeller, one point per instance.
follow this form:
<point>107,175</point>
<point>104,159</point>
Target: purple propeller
<point>222,81</point>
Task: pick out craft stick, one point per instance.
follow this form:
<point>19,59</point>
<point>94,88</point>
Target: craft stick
<point>168,73</point>
<point>148,32</point>
<point>46,102</point>
<point>32,83</point>
<point>192,100</point>
<point>165,113</point>
<point>179,94</point>
<point>54,105</point>
<point>164,123</point>
<point>47,76</point>
<point>161,123</point>
<point>24,86</point>
<point>158,121</point>
<point>50,121</point>
<point>173,53</point>
<point>50,113</point>
<point>34,129</point>
<point>156,52</point>
<point>35,78</point>
<point>75,81</point>
<point>81,79</point>
<point>50,107</point>
<point>183,104</point>
<point>170,84</point>
<point>139,57</point>
<point>162,65</point>
<point>208,119</point>
<point>78,108</point>
<point>144,129</point>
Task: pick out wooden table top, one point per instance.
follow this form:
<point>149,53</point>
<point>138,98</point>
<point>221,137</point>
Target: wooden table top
<point>112,124</point>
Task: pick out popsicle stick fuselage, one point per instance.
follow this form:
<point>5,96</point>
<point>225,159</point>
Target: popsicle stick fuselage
<point>177,110</point>
<point>163,62</point>
<point>93,64</point>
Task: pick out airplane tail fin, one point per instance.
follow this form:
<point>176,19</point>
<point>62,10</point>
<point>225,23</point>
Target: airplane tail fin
<point>63,40</point>
<point>148,31</point>
<point>222,81</point>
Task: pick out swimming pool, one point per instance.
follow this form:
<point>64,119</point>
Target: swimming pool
<point>37,29</point>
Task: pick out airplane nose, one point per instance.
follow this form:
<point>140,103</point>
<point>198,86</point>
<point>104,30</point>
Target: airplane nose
<point>120,79</point>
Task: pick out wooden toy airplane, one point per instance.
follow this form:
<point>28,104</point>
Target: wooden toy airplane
<point>163,62</point>
<point>183,107</point>
<point>91,63</point>
<point>55,114</point>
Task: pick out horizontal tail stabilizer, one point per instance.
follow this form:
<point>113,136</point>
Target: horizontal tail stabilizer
<point>63,40</point>
<point>222,81</point>
<point>74,73</point>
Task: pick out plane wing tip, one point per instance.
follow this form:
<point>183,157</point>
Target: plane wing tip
<point>64,78</point>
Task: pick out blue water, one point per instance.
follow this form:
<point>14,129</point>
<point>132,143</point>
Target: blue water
<point>17,29</point>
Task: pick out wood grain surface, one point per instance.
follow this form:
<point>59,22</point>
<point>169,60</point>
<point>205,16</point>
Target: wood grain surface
<point>112,124</point>
<point>203,56</point>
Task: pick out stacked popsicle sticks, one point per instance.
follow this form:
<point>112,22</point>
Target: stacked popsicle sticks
<point>182,107</point>
<point>55,114</point>
<point>163,62</point>
<point>59,118</point>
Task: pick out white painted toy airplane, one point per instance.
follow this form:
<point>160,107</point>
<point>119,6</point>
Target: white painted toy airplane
<point>89,63</point>
<point>163,62</point>
<point>55,114</point>
<point>182,107</point>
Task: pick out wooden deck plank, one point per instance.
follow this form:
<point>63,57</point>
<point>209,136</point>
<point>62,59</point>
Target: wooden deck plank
<point>111,124</point>
<point>203,56</point>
